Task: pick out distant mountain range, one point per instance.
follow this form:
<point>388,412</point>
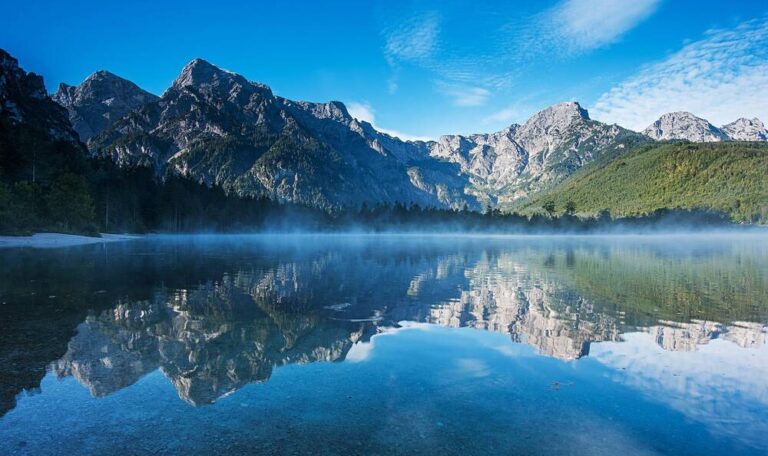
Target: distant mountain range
<point>684,125</point>
<point>217,127</point>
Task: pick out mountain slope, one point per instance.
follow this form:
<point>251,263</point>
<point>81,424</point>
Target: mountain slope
<point>684,125</point>
<point>746,130</point>
<point>523,159</point>
<point>219,128</point>
<point>99,101</point>
<point>41,159</point>
<point>729,177</point>
<point>36,139</point>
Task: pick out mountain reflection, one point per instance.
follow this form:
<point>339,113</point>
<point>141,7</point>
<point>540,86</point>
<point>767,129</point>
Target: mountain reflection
<point>236,328</point>
<point>208,342</point>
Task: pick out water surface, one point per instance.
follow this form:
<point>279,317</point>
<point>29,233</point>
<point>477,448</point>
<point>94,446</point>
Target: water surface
<point>386,345</point>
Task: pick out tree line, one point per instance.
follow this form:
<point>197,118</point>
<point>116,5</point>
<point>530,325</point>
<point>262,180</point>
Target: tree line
<point>92,195</point>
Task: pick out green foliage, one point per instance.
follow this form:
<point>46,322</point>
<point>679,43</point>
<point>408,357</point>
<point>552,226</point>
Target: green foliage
<point>549,206</point>
<point>70,204</point>
<point>728,177</point>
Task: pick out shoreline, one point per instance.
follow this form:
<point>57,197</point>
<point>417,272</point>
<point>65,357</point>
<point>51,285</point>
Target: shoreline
<point>56,240</point>
<point>60,240</point>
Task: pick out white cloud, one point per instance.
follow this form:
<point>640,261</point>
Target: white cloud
<point>413,40</point>
<point>508,45</point>
<point>574,27</point>
<point>365,113</point>
<point>504,115</point>
<point>464,96</point>
<point>361,111</point>
<point>516,112</point>
<point>588,24</point>
<point>721,77</point>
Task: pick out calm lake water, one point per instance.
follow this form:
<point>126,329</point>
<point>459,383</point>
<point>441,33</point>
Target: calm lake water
<point>386,345</point>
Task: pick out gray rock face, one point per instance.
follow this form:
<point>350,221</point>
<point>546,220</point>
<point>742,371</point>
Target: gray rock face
<point>99,101</point>
<point>746,130</point>
<point>684,125</point>
<point>37,142</point>
<point>25,103</point>
<point>522,159</point>
<point>219,128</point>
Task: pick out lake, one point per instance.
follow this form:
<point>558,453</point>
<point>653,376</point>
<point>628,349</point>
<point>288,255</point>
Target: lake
<point>386,344</point>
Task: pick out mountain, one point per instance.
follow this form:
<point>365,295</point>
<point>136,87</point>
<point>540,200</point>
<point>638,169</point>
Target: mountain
<point>99,101</point>
<point>217,128</point>
<point>728,177</point>
<point>746,130</point>
<point>36,139</point>
<point>221,129</point>
<point>523,159</point>
<point>684,125</point>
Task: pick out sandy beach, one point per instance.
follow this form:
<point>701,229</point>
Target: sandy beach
<point>55,240</point>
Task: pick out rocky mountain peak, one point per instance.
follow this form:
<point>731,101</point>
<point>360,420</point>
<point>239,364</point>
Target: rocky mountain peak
<point>32,123</point>
<point>99,100</point>
<point>559,115</point>
<point>103,75</point>
<point>10,73</point>
<point>8,62</point>
<point>744,129</point>
<point>544,127</point>
<point>217,83</point>
<point>684,125</point>
<point>199,73</point>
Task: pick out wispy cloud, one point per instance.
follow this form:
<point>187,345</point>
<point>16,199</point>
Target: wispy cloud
<point>413,41</point>
<point>417,42</point>
<point>366,113</point>
<point>463,95</point>
<point>720,77</point>
<point>503,115</point>
<point>582,25</point>
<point>574,27</point>
<point>469,70</point>
<point>516,112</point>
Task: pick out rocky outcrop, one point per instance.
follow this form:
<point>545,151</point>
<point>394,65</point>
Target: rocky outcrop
<point>221,129</point>
<point>746,130</point>
<point>100,100</point>
<point>523,159</point>
<point>23,100</point>
<point>684,125</point>
<point>36,139</point>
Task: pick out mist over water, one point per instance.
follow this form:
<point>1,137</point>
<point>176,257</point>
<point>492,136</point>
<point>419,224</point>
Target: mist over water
<point>396,343</point>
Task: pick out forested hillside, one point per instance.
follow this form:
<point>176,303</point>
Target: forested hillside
<point>731,177</point>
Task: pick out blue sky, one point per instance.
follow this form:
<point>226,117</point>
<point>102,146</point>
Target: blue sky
<point>425,68</point>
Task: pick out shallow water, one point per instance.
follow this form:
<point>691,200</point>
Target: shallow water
<point>386,345</point>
